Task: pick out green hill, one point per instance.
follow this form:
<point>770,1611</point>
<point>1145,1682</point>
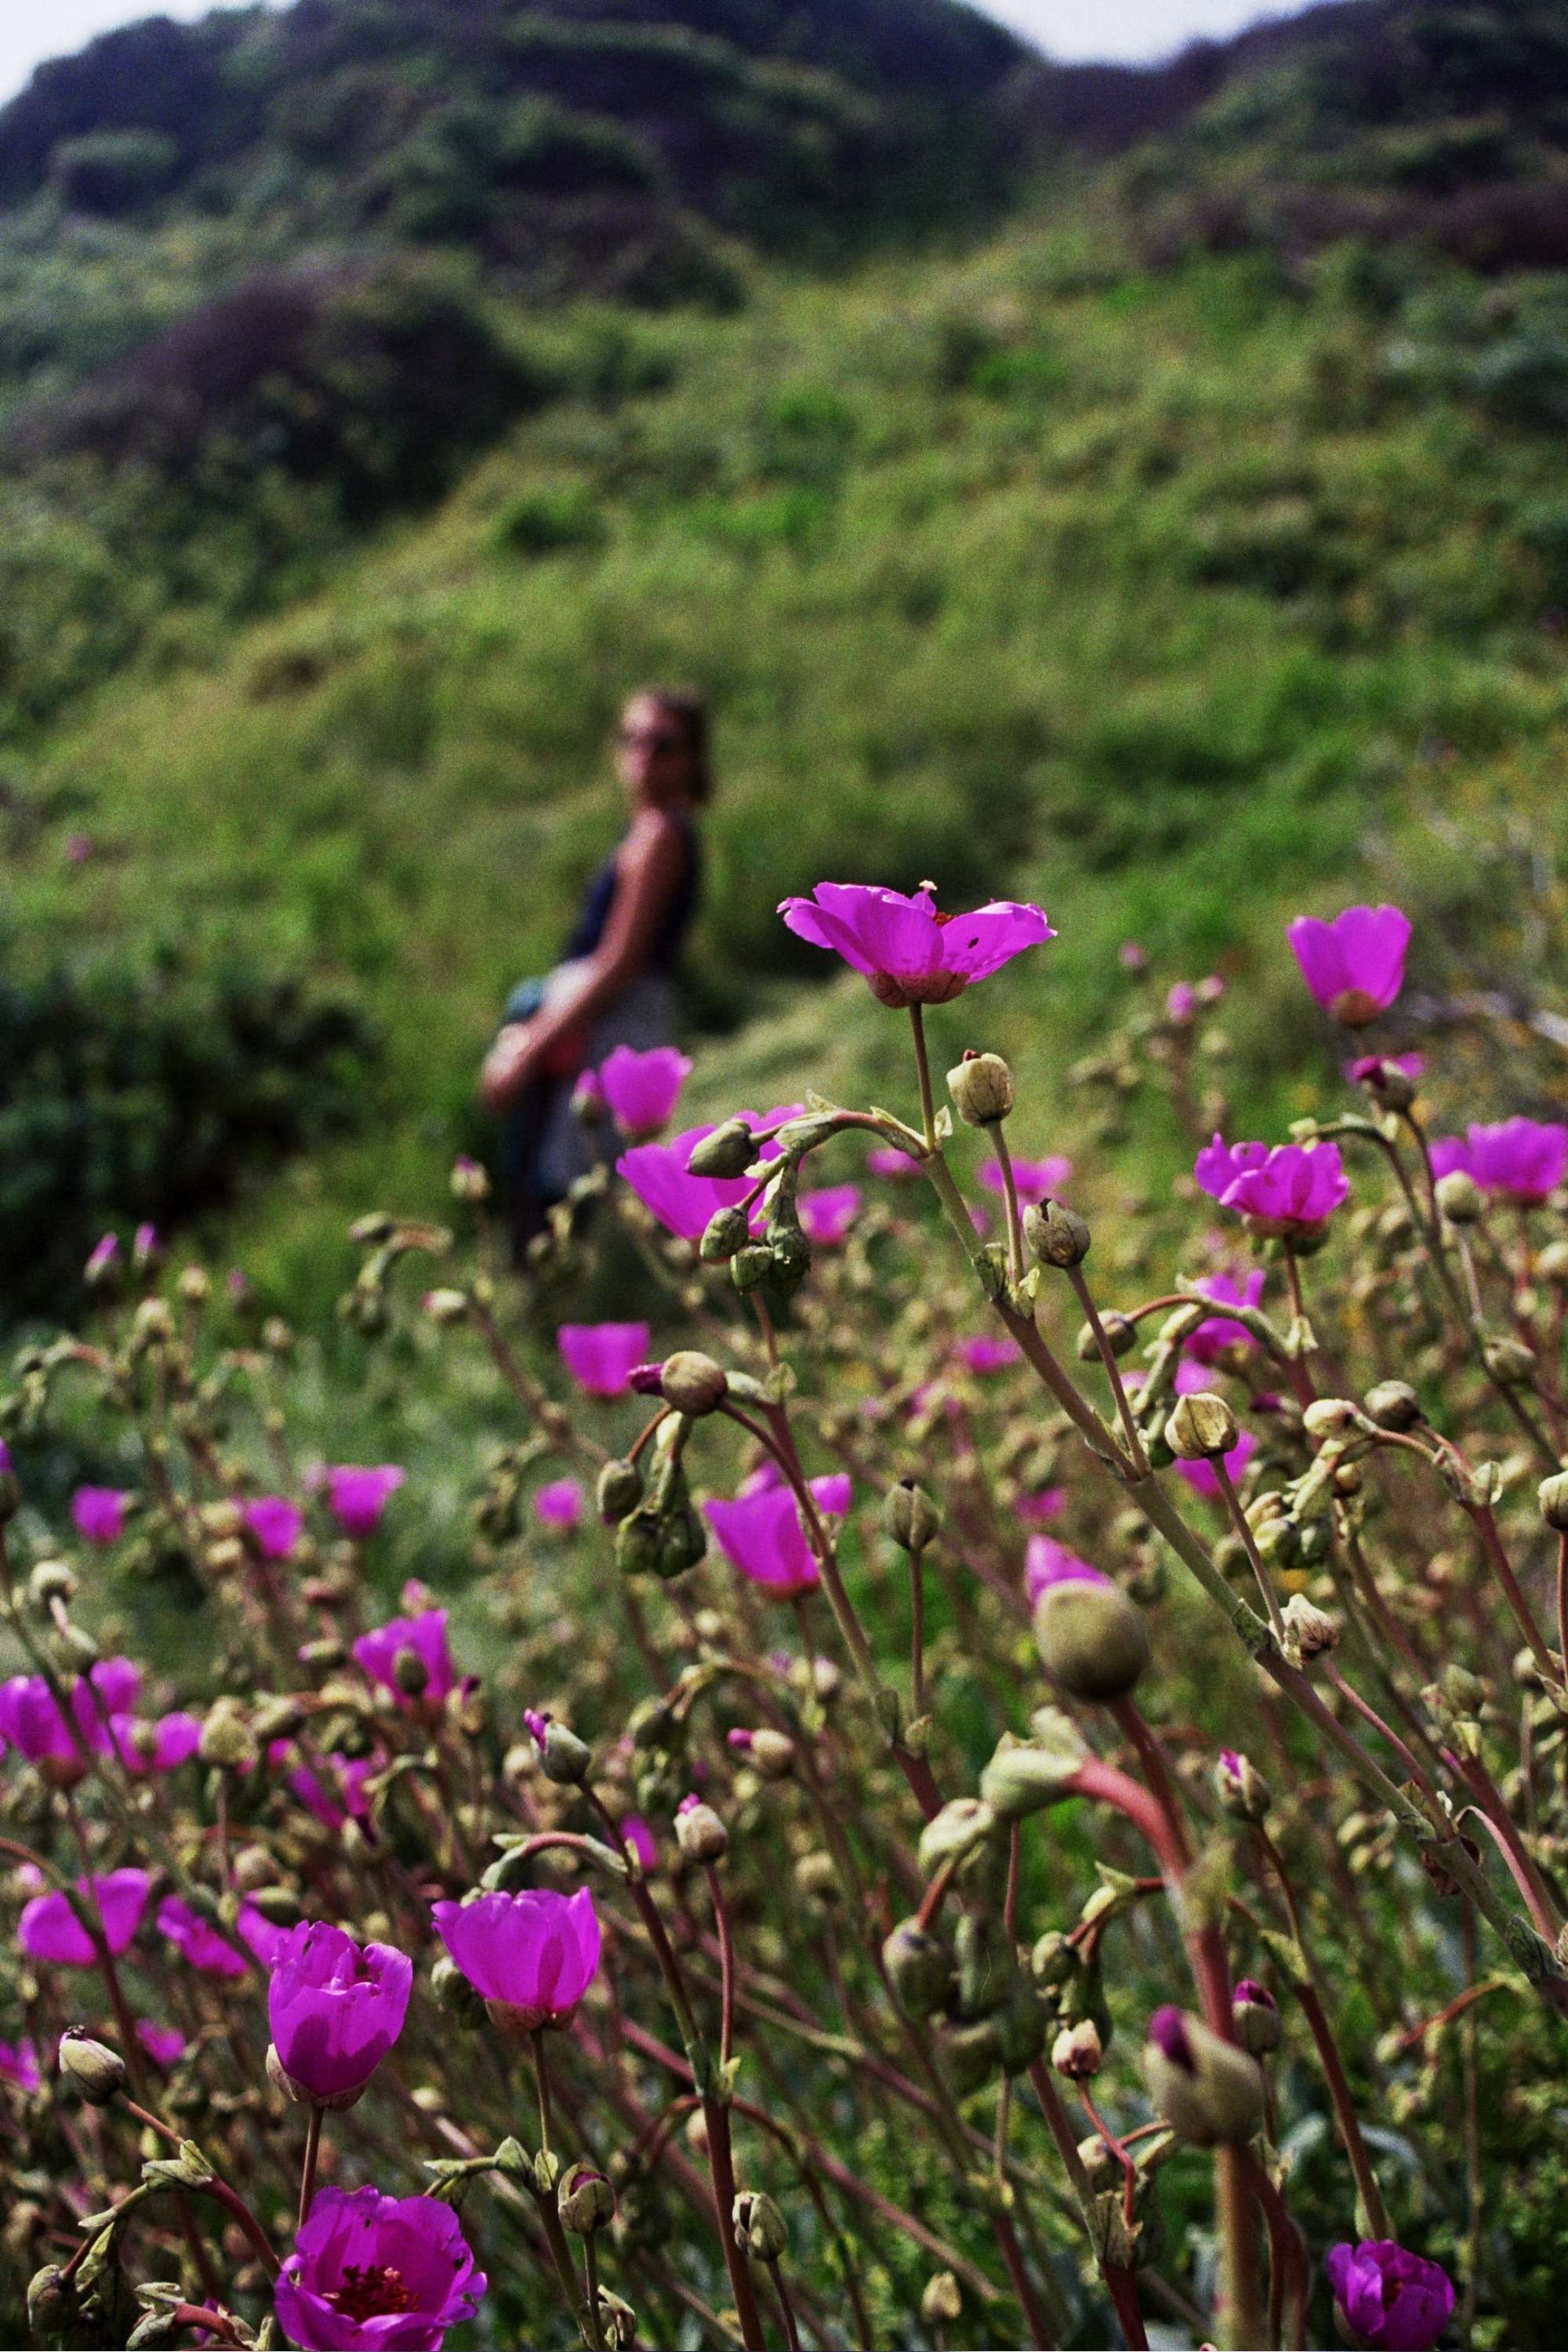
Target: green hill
<point>1065,555</point>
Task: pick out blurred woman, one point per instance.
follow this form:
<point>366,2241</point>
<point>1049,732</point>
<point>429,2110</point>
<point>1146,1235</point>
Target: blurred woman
<point>617,984</point>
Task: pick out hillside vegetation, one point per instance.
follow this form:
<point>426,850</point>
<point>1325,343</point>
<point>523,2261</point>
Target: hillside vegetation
<point>1080,558</point>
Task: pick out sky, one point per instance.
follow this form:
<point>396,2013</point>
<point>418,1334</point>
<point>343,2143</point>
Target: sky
<point>31,30</point>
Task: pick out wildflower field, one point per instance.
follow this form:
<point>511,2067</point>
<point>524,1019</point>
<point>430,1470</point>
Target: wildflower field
<point>1000,1782</point>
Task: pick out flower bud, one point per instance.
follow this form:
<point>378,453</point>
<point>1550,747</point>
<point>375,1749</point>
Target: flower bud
<point>1209,2091</point>
<point>96,2074</point>
<point>760,2227</point>
<point>410,1673</point>
<point>1551,1265</point>
<point>962,1826</point>
<point>693,1383</point>
<point>1328,1417</point>
<point>1242,1790</point>
<point>970,2056</point>
<point>455,1994</point>
<point>1121,1336</point>
<point>468,1180</point>
<point>1055,1234</point>
<point>52,2309</point>
<point>446,1305</point>
<point>1078,2050</point>
<point>727,1231</point>
<point>194,1285</point>
<point>1256,2015</point>
<point>619,1492</point>
<point>1511,1363</point>
<point>750,1267</point>
<point>773,1753</point>
<point>1026,1775</point>
<point>942,2299</point>
<point>563,1758</point>
<point>1093,1640</point>
<point>728,1151</point>
<point>1309,1631</point>
<point>699,1832</point>
<point>982,1089</point>
<point>910,1518</point>
<point>51,1579</point>
<point>228,1740</point>
<point>920,1969</point>
<point>1459,1197</point>
<point>1553,1494</point>
<point>1054,1962</point>
<point>1019,2023</point>
<point>585,2200</point>
<point>1393,1404</point>
<point>1202,1425</point>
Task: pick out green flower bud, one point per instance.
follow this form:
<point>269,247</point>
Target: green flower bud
<point>1460,1198</point>
<point>760,2227</point>
<point>1077,2051</point>
<point>93,2072</point>
<point>693,1383</point>
<point>772,1753</point>
<point>910,1518</point>
<point>1093,1640</point>
<point>1209,2091</point>
<point>699,1834</point>
<point>727,1231</point>
<point>51,1579</point>
<point>751,1267</point>
<point>1023,1775</point>
<point>970,2056</point>
<point>446,1306</point>
<point>618,1493</point>
<point>1202,1426</point>
<point>920,1969</point>
<point>987,1963</point>
<point>1255,2012</point>
<point>1054,1961</point>
<point>1511,1363</point>
<point>1241,1789</point>
<point>563,1758</point>
<point>278,1903</point>
<point>1553,1494</point>
<point>1120,1338</point>
<point>52,2309</point>
<point>1055,1234</point>
<point>228,1740</point>
<point>1019,2024</point>
<point>962,1826</point>
<point>1309,1631</point>
<point>982,1089</point>
<point>455,1994</point>
<point>1393,1404</point>
<point>941,2302</point>
<point>728,1151</point>
<point>585,2200</point>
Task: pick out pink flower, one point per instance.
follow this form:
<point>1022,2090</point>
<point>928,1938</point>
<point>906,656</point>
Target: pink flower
<point>275,1522</point>
<point>375,2273</point>
<point>1037,1179</point>
<point>1038,1511</point>
<point>531,1955</point>
<point>100,1513</point>
<point>49,1930</point>
<point>19,2064</point>
<point>893,1164</point>
<point>105,1254</point>
<point>334,1801</point>
<point>909,953</point>
<point>425,1638</point>
<point>601,1357</point>
<point>1292,1188</point>
<point>159,1746</point>
<point>1132,957</point>
<point>760,1534</point>
<point>641,1838</point>
<point>1200,1476</point>
<point>1389,2298</point>
<point>1373,1070</point>
<point>196,1940</point>
<point>335,2008</point>
<point>1222,1331</point>
<point>79,848</point>
<point>164,2044</point>
<point>1354,966</point>
<point>1048,1562</point>
<point>560,1505</point>
<point>828,1213</point>
<point>1181,1002</point>
<point>1519,1159</point>
<point>985,1354</point>
<point>357,1497</point>
<point>642,1089</point>
<point>832,1495</point>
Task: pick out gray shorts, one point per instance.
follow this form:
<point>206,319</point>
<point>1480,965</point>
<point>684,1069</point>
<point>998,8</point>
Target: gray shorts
<point>643,1017</point>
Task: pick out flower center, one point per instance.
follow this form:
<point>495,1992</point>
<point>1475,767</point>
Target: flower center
<point>370,2293</point>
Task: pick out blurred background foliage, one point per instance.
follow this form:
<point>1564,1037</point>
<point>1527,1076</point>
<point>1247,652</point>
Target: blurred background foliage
<point>1140,489</point>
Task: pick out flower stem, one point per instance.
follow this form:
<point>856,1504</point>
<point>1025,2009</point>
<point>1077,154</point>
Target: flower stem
<point>308,2175</point>
<point>922,1068</point>
<point>1112,1371</point>
<point>541,2077</point>
<point>1010,1194</point>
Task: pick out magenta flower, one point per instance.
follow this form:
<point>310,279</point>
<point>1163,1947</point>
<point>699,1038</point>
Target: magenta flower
<point>602,1357</point>
<point>161,1745</point>
<point>1048,1562</point>
<point>375,2273</point>
<point>425,1636</point>
<point>832,1495</point>
<point>100,1513</point>
<point>1037,1179</point>
<point>1373,1070</point>
<point>683,1204</point>
<point>332,1801</point>
<point>529,1956</point>
<point>19,2064</point>
<point>197,1940</point>
<point>1390,2298</point>
<point>105,1254</point>
<point>985,1353</point>
<point>891,1164</point>
<point>909,953</point>
<point>49,1930</point>
<point>1519,1159</point>
<point>760,1534</point>
<point>827,1213</point>
<point>637,1834</point>
<point>560,1505</point>
<point>335,2009</point>
<point>164,2044</point>
<point>1290,1189</point>
<point>1218,1331</point>
<point>1038,1511</point>
<point>642,1089</point>
<point>1354,966</point>
<point>35,1727</point>
<point>1181,1002</point>
<point>357,1497</point>
<point>275,1522</point>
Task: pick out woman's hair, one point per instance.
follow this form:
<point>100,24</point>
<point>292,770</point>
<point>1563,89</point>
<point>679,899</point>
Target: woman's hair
<point>680,702</point>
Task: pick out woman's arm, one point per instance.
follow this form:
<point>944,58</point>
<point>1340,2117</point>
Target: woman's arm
<point>648,874</point>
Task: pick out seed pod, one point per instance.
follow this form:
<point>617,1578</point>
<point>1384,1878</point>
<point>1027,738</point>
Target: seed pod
<point>982,1089</point>
<point>1093,1640</point>
<point>910,1518</point>
<point>95,2073</point>
<point>1020,2027</point>
<point>1057,1236</point>
<point>729,1151</point>
<point>1328,1417</point>
<point>455,1994</point>
<point>1202,1426</point>
<point>693,1383</point>
<point>1209,2091</point>
<point>1054,1961</point>
<point>585,2200</point>
<point>446,1306</point>
<point>920,1969</point>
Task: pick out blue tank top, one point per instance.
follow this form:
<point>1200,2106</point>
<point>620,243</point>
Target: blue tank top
<point>675,922</point>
